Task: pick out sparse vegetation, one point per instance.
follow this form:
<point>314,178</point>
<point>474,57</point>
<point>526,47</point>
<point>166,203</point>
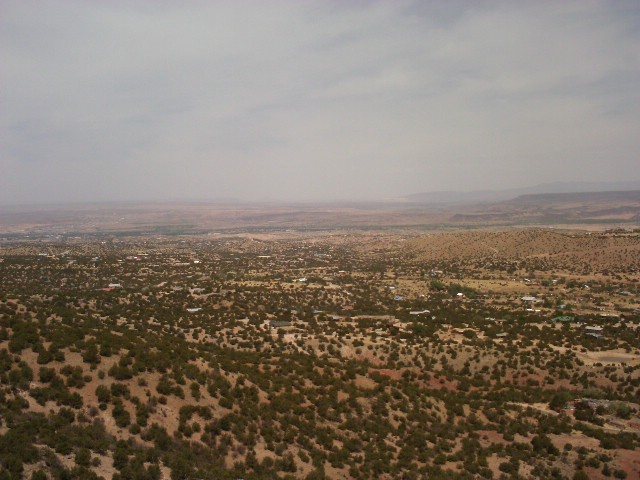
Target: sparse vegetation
<point>327,357</point>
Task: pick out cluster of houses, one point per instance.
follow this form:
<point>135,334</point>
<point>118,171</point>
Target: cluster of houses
<point>593,331</point>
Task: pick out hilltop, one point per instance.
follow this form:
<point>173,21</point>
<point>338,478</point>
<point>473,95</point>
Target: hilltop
<point>569,250</point>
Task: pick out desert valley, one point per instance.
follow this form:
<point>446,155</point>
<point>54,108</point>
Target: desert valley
<point>346,353</point>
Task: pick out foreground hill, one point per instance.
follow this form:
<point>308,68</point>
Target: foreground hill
<point>568,250</point>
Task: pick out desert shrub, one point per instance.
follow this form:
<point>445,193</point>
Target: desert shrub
<point>121,415</point>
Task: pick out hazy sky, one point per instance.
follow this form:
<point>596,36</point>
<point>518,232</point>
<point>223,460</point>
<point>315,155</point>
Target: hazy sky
<point>311,100</point>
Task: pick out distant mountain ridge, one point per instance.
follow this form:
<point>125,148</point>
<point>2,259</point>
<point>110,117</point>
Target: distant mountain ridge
<point>557,198</point>
<point>459,197</point>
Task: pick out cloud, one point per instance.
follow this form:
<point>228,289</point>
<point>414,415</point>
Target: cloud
<point>312,100</point>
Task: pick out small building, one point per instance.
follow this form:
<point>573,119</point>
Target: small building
<point>399,325</point>
<point>593,328</point>
<point>597,336</point>
<point>594,331</point>
<point>279,323</point>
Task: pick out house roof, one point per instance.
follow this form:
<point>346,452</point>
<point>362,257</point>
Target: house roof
<point>280,323</point>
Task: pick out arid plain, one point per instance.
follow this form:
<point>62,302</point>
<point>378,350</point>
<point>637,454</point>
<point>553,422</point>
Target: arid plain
<point>207,342</point>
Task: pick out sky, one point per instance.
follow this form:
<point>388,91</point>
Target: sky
<point>305,100</point>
